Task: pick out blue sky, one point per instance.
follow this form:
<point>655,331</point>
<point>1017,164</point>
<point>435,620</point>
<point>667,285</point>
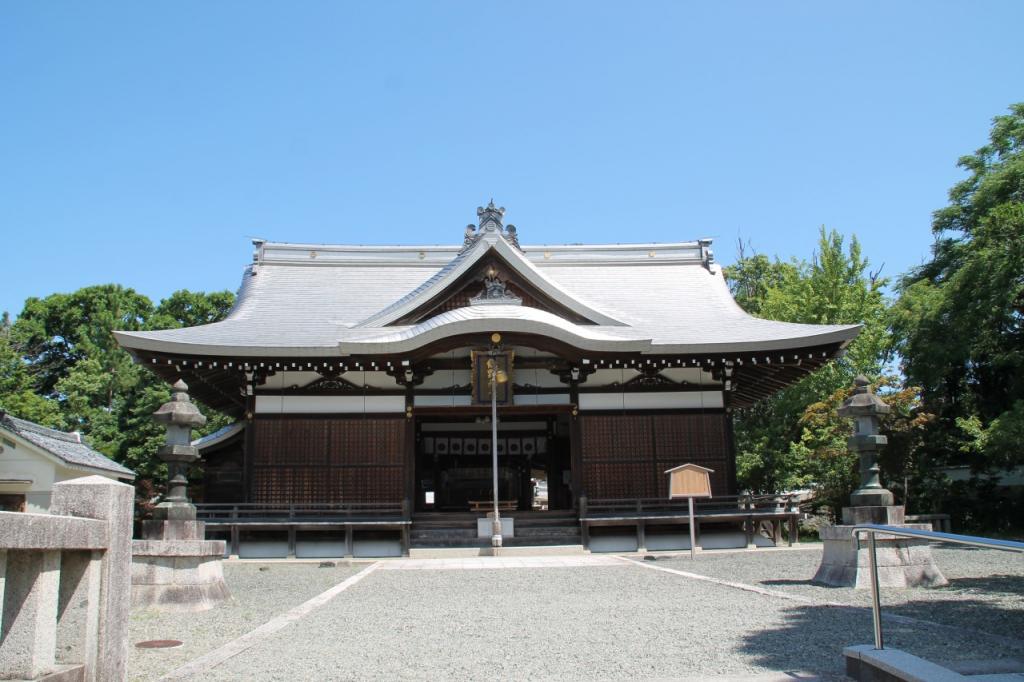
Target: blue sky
<point>145,143</point>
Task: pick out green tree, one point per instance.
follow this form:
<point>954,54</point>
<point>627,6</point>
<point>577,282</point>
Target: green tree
<point>835,287</point>
<point>60,366</point>
<point>959,320</point>
<point>16,384</point>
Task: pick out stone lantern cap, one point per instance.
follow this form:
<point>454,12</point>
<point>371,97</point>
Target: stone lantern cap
<point>863,403</point>
<point>179,410</point>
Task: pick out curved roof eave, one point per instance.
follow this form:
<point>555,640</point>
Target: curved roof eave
<point>402,340</point>
<point>842,336</point>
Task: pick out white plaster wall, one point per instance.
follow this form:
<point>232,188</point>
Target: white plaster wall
<point>651,401</point>
<point>441,400</point>
<point>542,399</point>
<point>328,404</point>
<point>289,379</point>
<point>445,378</point>
<point>536,377</point>
<point>605,377</point>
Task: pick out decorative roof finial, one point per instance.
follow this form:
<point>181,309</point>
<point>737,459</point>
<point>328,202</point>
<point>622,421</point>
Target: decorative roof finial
<point>490,217</point>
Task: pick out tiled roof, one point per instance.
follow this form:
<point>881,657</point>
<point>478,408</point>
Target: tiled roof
<point>68,447</point>
<point>219,436</point>
<point>315,300</point>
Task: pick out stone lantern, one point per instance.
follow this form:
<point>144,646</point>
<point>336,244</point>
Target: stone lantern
<point>174,566</point>
<point>178,416</point>
<point>903,562</point>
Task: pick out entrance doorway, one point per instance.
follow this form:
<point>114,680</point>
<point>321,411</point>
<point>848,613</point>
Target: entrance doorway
<point>454,464</point>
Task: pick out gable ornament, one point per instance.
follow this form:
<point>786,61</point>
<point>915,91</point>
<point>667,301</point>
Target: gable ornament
<point>495,292</point>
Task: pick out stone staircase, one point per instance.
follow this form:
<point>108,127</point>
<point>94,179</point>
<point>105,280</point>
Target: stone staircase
<point>458,529</point>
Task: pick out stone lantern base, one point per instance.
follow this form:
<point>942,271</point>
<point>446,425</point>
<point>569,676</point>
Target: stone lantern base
<point>174,568</point>
<point>902,562</point>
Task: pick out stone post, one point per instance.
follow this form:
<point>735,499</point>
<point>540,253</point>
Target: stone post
<point>64,584</point>
<point>902,562</point>
<point>174,567</point>
<point>108,574</point>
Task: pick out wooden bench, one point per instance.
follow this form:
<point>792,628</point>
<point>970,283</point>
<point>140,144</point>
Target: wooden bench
<point>488,505</point>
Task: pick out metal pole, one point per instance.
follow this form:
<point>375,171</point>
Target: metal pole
<point>493,376</point>
<point>876,607</point>
<point>693,533</point>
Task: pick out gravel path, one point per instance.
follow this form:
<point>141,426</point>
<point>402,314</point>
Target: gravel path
<point>985,594</point>
<point>619,621</point>
<point>256,597</point>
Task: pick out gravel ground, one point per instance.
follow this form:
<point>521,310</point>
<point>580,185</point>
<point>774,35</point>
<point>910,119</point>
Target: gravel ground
<point>256,597</point>
<point>985,593</point>
<point>576,623</point>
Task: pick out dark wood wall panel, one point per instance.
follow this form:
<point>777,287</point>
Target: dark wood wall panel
<point>311,460</point>
<point>626,455</point>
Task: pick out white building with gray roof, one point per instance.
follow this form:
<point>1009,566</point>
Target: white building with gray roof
<point>34,457</point>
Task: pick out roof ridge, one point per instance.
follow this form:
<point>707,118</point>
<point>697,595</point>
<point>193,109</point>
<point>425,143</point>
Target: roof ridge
<point>26,425</point>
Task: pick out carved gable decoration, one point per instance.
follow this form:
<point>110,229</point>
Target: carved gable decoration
<point>495,292</point>
<point>492,282</point>
<point>331,383</point>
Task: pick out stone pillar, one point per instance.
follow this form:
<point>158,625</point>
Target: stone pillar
<point>174,568</point>
<point>28,634</point>
<point>106,628</point>
<point>902,562</point>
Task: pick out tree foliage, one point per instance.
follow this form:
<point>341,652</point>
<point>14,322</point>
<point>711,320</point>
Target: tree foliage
<point>60,366</point>
<point>835,287</point>
<point>959,321</point>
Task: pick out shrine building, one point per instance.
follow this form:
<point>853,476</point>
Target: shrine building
<point>358,374</point>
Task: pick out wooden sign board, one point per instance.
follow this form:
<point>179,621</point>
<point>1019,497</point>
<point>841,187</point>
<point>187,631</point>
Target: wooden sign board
<point>481,387</point>
<point>689,480</point>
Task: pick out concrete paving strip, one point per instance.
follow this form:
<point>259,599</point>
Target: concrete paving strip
<point>890,617</point>
<point>476,563</point>
<point>766,677</point>
<point>254,637</point>
<point>726,583</point>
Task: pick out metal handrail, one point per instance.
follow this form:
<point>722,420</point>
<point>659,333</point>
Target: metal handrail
<point>873,529</point>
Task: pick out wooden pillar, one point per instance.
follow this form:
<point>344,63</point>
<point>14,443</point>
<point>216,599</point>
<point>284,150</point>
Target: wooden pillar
<point>730,444</point>
<point>575,446</point>
<point>411,488</point>
<point>248,449</point>
<point>584,524</point>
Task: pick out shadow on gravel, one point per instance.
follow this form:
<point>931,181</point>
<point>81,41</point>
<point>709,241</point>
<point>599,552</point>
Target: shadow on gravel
<point>1002,584</point>
<point>791,582</point>
<point>813,637</point>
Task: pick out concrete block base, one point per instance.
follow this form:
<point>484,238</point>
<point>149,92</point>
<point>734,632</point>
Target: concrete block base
<point>902,562</point>
<point>866,664</point>
<point>177,574</point>
<point>508,527</point>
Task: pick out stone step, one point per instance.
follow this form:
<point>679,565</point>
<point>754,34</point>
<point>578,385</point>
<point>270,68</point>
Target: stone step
<point>461,552</point>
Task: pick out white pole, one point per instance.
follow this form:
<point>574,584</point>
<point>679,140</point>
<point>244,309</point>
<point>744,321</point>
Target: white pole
<point>693,533</point>
<point>493,376</point>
